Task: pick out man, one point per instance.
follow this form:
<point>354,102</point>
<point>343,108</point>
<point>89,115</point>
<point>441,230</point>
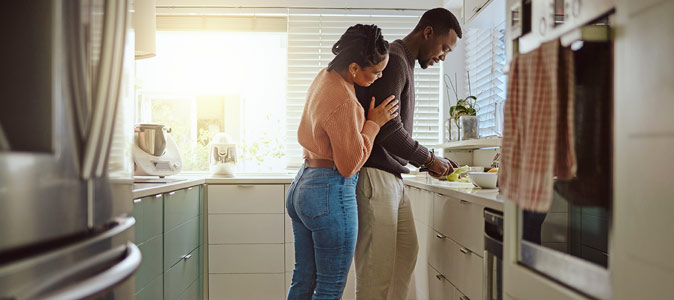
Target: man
<point>387,246</point>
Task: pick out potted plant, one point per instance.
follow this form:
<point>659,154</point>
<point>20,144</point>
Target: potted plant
<point>464,113</point>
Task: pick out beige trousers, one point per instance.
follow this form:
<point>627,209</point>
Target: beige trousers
<point>387,246</point>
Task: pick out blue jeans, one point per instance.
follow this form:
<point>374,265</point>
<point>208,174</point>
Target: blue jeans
<point>322,206</point>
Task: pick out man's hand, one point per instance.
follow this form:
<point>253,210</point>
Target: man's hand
<point>441,167</point>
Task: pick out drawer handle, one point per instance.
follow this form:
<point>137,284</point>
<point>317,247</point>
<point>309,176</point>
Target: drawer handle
<point>171,193</point>
<point>188,256</point>
<point>137,200</point>
<point>465,202</point>
<point>157,196</point>
<point>440,277</point>
<point>440,236</point>
<point>465,250</point>
<point>245,185</point>
<point>189,188</point>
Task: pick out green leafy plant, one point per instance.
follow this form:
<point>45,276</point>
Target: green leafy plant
<point>464,107</point>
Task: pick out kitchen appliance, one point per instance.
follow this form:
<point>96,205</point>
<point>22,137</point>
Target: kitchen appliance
<point>222,157</point>
<point>493,255</point>
<point>155,152</point>
<point>569,244</point>
<point>65,167</point>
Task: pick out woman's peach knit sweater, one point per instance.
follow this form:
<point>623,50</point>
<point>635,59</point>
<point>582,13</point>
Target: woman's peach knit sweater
<point>333,124</point>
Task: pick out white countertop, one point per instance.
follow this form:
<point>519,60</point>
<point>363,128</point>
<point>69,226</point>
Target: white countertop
<point>184,181</point>
<point>485,197</point>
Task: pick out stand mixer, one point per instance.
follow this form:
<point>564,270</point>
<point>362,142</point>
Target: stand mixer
<point>155,153</point>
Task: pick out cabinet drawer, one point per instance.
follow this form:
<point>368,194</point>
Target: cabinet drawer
<point>470,275</point>
<point>180,241</point>
<point>460,220</point>
<point>439,288</point>
<point>246,286</point>
<point>245,229</point>
<point>193,292</point>
<point>255,258</point>
<point>148,212</point>
<point>151,265</point>
<point>180,206</point>
<point>179,277</point>
<point>242,199</point>
<point>442,256</point>
<point>458,264</point>
<point>422,205</point>
<point>153,291</point>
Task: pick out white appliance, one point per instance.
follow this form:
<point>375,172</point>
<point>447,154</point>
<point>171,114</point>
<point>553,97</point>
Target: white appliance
<point>155,153</point>
<point>222,155</point>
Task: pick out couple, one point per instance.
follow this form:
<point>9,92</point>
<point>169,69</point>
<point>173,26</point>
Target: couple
<point>337,210</point>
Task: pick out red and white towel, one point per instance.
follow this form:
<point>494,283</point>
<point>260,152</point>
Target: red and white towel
<point>538,134</point>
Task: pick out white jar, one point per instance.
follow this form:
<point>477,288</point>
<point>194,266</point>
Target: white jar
<point>222,156</point>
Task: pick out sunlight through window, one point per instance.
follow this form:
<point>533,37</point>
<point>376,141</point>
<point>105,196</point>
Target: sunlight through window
<point>202,83</point>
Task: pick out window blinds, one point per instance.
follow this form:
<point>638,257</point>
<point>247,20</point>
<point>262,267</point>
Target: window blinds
<point>310,40</point>
<point>485,59</point>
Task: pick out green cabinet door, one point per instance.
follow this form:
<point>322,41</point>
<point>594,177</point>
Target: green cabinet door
<point>181,276</point>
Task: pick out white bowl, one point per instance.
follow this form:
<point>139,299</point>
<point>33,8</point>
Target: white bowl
<point>483,179</point>
<point>476,169</point>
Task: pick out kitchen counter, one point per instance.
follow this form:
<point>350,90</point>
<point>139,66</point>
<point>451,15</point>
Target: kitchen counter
<point>485,197</point>
<point>152,185</point>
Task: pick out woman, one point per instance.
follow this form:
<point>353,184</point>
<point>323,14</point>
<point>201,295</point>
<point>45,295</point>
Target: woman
<point>337,140</point>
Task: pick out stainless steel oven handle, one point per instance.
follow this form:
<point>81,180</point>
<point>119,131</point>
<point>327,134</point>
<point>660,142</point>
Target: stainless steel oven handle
<point>104,280</point>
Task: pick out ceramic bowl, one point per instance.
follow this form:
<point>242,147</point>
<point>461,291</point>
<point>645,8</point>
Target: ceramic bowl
<point>483,179</point>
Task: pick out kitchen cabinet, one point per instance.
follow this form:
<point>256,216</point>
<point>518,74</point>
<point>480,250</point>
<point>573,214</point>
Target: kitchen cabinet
<point>247,234</point>
<point>168,229</point>
<point>472,7</point>
<point>451,245</point>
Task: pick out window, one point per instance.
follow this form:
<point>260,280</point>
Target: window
<point>204,82</point>
<point>310,39</point>
<point>248,77</point>
<point>485,59</point>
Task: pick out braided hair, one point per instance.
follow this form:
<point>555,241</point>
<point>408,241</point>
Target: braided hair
<point>362,44</point>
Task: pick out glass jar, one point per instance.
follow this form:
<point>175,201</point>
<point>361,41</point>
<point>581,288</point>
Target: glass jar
<point>468,127</point>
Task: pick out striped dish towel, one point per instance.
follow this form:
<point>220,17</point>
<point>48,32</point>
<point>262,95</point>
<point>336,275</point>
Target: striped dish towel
<point>538,135</point>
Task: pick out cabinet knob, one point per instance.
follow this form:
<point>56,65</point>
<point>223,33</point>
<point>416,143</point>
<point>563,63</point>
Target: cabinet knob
<point>464,298</point>
<point>188,256</point>
<point>465,250</point>
<point>440,236</point>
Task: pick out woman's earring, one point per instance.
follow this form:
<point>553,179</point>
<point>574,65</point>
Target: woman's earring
<point>354,74</point>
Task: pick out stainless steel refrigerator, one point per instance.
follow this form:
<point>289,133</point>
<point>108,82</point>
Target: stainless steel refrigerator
<point>66,109</point>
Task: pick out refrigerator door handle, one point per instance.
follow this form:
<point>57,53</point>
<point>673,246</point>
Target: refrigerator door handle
<point>121,15</point>
<point>102,281</point>
<point>81,93</point>
<point>105,96</point>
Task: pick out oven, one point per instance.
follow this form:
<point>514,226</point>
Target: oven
<point>567,247</point>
